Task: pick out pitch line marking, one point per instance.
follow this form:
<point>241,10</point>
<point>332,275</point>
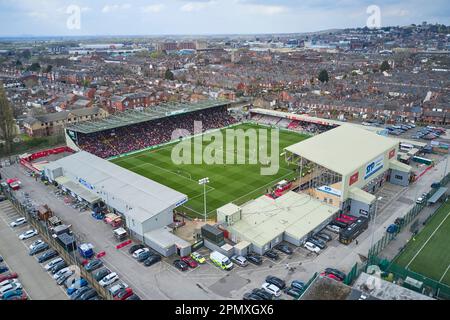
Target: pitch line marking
<point>429,238</point>
<point>446,270</point>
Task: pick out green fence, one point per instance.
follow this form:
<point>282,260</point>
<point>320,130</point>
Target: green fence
<point>310,281</point>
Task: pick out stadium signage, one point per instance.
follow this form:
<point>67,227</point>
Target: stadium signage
<point>354,178</point>
<point>391,153</point>
<point>85,183</point>
<point>179,203</point>
<point>374,166</point>
<point>330,190</point>
<point>175,112</point>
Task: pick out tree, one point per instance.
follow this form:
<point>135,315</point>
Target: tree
<point>35,67</point>
<point>48,69</point>
<point>385,66</point>
<point>323,76</point>
<point>7,123</point>
<point>169,75</point>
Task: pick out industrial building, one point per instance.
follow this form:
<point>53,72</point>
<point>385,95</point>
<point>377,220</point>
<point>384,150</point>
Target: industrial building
<point>146,205</point>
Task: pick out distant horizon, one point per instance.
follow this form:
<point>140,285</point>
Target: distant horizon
<point>155,18</point>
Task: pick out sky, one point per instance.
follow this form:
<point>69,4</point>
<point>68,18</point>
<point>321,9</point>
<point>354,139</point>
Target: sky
<point>203,17</point>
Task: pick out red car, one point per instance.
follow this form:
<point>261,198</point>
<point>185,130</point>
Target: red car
<point>340,219</point>
<point>190,262</point>
<point>123,294</point>
<point>8,276</point>
<point>344,216</point>
<point>331,276</point>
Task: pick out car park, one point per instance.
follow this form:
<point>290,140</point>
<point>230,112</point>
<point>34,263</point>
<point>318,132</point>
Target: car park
<point>198,257</point>
<point>152,260</point>
<point>18,222</point>
<point>316,241</point>
<point>271,255</point>
<point>135,248</point>
<point>52,263</point>
<point>272,289</point>
<point>99,275</point>
<point>38,249</point>
<point>64,277</point>
<point>133,297</point>
<point>180,265</point>
<point>47,256</point>
<point>88,294</point>
<point>311,247</point>
<point>263,294</point>
<point>341,275</point>
<point>140,251</point>
<point>251,296</point>
<point>77,294</point>
<point>254,258</point>
<point>143,256</point>
<point>28,234</point>
<point>93,265</point>
<point>293,292</point>
<point>109,279</point>
<point>298,284</point>
<point>8,276</point>
<point>123,294</point>
<point>333,228</point>
<point>58,266</point>
<point>61,272</point>
<point>276,281</point>
<point>239,260</point>
<point>35,244</point>
<point>285,249</point>
<point>324,236</point>
<point>190,262</point>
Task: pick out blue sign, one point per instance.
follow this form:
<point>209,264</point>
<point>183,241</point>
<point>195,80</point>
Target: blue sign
<point>374,166</point>
<point>181,202</point>
<point>85,183</point>
<point>327,189</point>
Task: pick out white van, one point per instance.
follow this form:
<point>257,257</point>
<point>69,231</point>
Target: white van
<point>221,261</point>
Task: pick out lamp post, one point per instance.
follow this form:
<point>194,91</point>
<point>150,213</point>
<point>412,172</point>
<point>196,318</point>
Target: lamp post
<point>373,221</point>
<point>204,182</point>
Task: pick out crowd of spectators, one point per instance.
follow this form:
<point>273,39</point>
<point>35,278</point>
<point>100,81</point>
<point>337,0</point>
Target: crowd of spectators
<point>109,143</point>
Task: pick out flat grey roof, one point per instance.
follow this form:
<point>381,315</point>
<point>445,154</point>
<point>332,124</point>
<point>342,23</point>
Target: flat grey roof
<point>437,195</point>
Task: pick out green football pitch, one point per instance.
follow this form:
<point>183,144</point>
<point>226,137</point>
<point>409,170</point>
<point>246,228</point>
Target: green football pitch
<point>428,253</point>
<point>228,182</point>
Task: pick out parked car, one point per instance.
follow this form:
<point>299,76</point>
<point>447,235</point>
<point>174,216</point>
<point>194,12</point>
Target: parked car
<point>198,257</point>
<point>12,293</point>
<point>109,279</point>
<point>298,284</point>
<point>152,260</point>
<point>61,272</point>
<point>263,294</point>
<point>341,275</point>
<point>77,294</point>
<point>52,263</point>
<point>3,268</point>
<point>143,256</point>
<point>47,256</point>
<point>64,277</point>
<point>18,222</point>
<point>251,296</point>
<point>272,289</point>
<point>393,228</point>
<point>115,289</point>
<point>285,249</point>
<point>133,297</point>
<point>276,281</point>
<point>99,275</point>
<point>123,294</point>
<point>88,294</point>
<point>36,243</point>
<point>58,266</point>
<point>317,242</point>
<point>10,287</point>
<point>349,218</point>
<point>340,224</point>
<point>1,259</point>
<point>93,265</point>
<point>9,281</point>
<point>139,251</point>
<point>135,248</point>
<point>28,234</point>
<point>293,292</point>
<point>324,236</point>
<point>8,276</point>
<point>190,262</point>
<point>239,260</point>
<point>254,258</point>
<point>333,228</point>
<point>180,265</point>
<point>80,283</point>
<point>271,255</point>
<point>38,249</point>
<point>311,247</point>
<point>331,276</point>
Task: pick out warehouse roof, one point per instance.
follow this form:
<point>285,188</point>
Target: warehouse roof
<point>106,179</point>
<point>343,149</point>
<point>264,219</point>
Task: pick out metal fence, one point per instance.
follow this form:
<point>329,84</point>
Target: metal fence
<point>310,281</point>
<point>70,258</point>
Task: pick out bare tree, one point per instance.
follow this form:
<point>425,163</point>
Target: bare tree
<point>7,123</point>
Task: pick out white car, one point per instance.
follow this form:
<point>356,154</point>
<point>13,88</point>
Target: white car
<point>6,282</point>
<point>333,228</point>
<point>137,253</point>
<point>117,287</point>
<point>36,243</point>
<point>50,265</point>
<point>18,222</point>
<point>109,279</point>
<point>420,200</point>
<point>61,273</point>
<point>272,289</point>
<point>10,287</point>
<point>28,234</point>
<point>311,247</point>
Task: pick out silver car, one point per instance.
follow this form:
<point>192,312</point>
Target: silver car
<point>240,260</point>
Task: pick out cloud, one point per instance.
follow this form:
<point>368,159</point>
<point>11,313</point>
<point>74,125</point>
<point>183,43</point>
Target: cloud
<point>153,8</point>
<point>196,6</point>
<point>266,9</point>
<point>115,7</point>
